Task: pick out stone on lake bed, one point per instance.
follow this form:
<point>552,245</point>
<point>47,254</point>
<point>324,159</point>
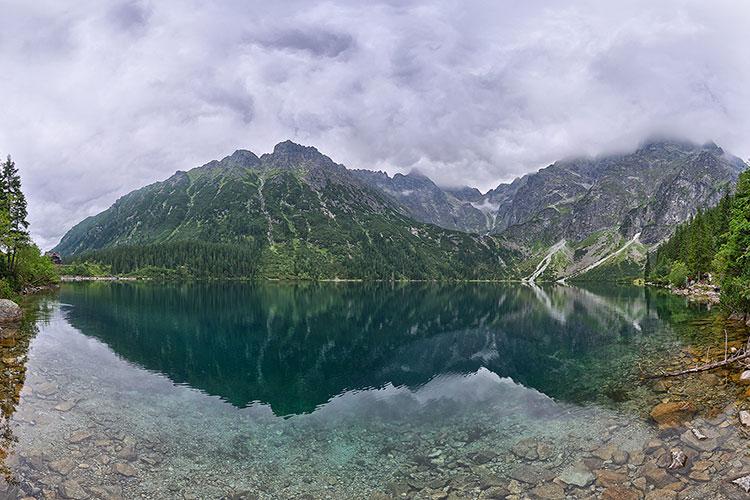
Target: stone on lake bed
<point>45,389</point>
<point>530,474</point>
<point>672,413</point>
<point>79,437</point>
<point>710,442</point>
<point>663,494</point>
<point>526,448</point>
<point>608,477</point>
<point>62,466</point>
<point>679,459</point>
<point>65,406</point>
<point>549,491</point>
<point>126,470</point>
<point>71,489</point>
<point>743,482</point>
<point>620,493</point>
<point>577,475</point>
<point>745,377</point>
<point>620,457</point>
<point>745,418</point>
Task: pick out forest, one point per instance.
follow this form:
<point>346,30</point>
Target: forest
<point>714,245</point>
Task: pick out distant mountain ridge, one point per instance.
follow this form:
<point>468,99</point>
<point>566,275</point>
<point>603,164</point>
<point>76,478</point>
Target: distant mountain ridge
<point>303,214</point>
<point>559,222</point>
<point>593,205</point>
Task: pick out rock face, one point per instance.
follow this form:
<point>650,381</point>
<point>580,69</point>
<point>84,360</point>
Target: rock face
<point>9,311</point>
<point>461,209</point>
<point>596,205</point>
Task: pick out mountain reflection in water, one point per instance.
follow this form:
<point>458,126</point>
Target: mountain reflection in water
<point>295,346</point>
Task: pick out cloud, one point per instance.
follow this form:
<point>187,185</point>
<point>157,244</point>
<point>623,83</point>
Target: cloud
<point>100,98</point>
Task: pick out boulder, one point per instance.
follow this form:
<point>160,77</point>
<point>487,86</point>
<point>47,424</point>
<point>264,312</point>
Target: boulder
<point>745,377</point>
<point>577,475</point>
<point>672,413</point>
<point>9,311</point>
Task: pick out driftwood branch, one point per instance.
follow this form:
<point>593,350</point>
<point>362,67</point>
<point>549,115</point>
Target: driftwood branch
<point>710,366</point>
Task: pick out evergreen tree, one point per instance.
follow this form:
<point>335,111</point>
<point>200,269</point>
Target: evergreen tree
<point>733,260</point>
<point>14,212</point>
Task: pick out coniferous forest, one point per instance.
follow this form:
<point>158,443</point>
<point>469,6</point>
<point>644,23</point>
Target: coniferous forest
<point>714,244</point>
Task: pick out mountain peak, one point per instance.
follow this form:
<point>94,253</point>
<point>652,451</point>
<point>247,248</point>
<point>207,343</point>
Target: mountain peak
<point>241,158</point>
<point>289,154</point>
<point>292,148</point>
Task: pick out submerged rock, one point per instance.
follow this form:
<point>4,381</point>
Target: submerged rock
<point>530,474</point>
<point>549,491</point>
<point>620,493</point>
<point>577,475</point>
<point>126,470</point>
<point>71,489</point>
<point>743,482</point>
<point>9,311</point>
<point>672,413</point>
<point>679,459</point>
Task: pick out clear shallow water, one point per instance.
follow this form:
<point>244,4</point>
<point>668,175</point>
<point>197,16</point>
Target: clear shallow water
<point>327,390</point>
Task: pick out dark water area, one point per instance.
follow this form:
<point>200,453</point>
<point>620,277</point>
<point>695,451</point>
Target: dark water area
<point>331,390</point>
<point>296,346</point>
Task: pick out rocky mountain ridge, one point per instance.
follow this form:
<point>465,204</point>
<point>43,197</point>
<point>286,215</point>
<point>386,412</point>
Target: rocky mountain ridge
<point>302,215</point>
<point>594,206</point>
<point>569,219</point>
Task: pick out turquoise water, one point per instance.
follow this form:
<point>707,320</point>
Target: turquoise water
<point>338,390</point>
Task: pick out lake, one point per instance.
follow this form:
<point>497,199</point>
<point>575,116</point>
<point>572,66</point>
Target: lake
<point>332,390</point>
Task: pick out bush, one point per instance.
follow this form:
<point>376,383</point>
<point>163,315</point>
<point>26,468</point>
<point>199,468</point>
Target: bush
<point>735,294</point>
<point>33,268</point>
<point>6,291</point>
<point>678,274</point>
<point>87,269</point>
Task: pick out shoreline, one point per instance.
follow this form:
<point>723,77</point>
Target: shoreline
<point>70,279</point>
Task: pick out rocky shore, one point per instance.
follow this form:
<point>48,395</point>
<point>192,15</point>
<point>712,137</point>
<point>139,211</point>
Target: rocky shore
<point>701,292</point>
<point>96,278</point>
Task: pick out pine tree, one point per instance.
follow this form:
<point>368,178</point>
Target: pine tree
<point>13,207</point>
<point>733,260</point>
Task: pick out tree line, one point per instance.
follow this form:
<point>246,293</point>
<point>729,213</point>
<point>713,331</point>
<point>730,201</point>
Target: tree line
<point>715,244</point>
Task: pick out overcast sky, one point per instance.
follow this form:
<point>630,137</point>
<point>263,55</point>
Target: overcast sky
<point>99,98</point>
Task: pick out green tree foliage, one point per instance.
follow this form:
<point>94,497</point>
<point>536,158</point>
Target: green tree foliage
<point>678,274</point>
<point>733,259</point>
<point>22,264</point>
<point>715,241</point>
<point>694,243</point>
<point>14,212</point>
<point>170,260</point>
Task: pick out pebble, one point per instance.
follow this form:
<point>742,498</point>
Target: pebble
<point>66,406</point>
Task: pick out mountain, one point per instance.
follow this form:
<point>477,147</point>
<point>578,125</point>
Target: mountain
<point>296,213</point>
<point>460,209</point>
<point>583,209</point>
<point>299,214</point>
